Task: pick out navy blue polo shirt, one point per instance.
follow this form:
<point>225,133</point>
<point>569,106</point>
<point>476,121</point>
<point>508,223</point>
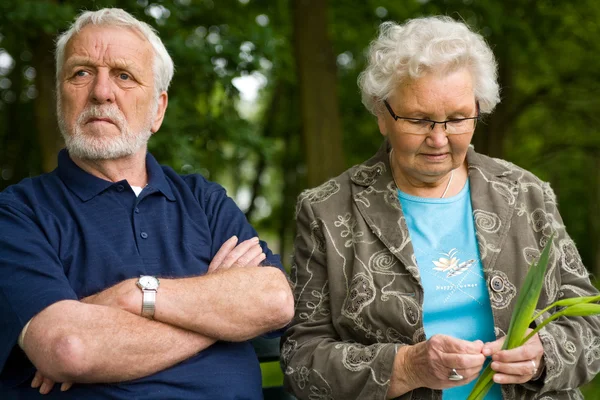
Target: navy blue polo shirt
<point>67,235</point>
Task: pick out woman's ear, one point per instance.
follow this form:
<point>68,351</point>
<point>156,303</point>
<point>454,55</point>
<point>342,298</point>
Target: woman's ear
<point>381,123</point>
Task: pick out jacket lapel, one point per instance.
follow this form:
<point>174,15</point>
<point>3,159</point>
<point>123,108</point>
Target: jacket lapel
<point>374,194</point>
<point>494,191</point>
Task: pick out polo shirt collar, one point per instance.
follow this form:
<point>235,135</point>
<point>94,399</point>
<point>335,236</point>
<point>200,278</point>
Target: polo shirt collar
<point>87,186</point>
<point>156,177</point>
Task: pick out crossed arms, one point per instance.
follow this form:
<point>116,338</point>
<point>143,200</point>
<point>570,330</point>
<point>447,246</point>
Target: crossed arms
<point>103,338</point>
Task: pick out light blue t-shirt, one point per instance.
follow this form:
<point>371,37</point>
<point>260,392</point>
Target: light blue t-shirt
<point>456,301</point>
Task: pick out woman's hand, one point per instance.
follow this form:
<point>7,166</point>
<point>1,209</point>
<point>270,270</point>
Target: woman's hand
<point>518,365</point>
<point>429,364</point>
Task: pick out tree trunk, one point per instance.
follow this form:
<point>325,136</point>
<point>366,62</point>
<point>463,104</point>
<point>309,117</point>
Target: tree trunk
<point>317,76</point>
<point>49,137</point>
<point>491,134</point>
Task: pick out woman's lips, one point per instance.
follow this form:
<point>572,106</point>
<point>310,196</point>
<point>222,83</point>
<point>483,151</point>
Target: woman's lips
<point>435,157</point>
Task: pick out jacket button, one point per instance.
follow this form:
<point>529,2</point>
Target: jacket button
<point>497,284</point>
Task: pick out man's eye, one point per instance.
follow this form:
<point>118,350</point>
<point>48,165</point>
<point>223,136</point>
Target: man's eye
<point>81,73</point>
<point>124,77</point>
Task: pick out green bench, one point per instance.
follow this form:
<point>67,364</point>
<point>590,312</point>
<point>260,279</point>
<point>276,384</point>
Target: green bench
<point>267,351</point>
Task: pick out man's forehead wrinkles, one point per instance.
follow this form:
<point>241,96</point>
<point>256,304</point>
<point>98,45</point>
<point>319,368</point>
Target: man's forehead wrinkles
<point>132,61</point>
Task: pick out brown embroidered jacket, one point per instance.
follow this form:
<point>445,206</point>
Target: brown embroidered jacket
<point>358,293</point>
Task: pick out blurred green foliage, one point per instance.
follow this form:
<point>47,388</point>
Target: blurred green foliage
<point>548,120</point>
<point>547,53</point>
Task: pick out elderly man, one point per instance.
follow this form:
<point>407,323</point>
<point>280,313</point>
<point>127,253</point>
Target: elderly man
<point>120,276</point>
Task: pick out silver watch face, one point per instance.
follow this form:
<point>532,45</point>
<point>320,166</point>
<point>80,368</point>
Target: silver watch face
<point>148,282</point>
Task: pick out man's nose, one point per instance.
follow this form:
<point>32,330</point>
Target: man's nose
<point>102,90</point>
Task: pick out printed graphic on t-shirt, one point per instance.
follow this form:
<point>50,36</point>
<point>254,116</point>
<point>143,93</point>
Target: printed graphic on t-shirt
<point>451,264</point>
<point>452,275</point>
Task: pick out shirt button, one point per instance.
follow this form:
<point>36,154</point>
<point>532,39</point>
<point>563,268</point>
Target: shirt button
<point>497,284</point>
<point>120,188</point>
<point>137,210</point>
<point>144,235</point>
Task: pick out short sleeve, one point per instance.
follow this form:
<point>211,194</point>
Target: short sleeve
<point>32,279</point>
<point>226,220</point>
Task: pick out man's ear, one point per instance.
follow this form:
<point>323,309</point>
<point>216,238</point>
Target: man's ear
<point>163,101</point>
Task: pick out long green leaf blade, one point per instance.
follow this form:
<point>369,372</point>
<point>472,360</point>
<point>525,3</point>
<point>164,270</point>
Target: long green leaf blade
<point>566,303</point>
<point>524,307</point>
<point>522,314</point>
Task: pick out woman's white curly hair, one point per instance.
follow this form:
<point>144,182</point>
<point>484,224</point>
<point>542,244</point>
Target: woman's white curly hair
<point>422,45</point>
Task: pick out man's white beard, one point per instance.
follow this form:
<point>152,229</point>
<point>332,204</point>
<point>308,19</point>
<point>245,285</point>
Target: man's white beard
<point>91,147</point>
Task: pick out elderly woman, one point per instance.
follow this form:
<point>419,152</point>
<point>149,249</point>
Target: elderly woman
<point>407,266</point>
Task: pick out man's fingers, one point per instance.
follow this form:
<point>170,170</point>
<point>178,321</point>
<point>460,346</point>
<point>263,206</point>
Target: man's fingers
<point>239,251</point>
<point>65,386</point>
<point>258,259</point>
<point>47,386</point>
<point>37,380</point>
<point>225,249</point>
<point>249,255</point>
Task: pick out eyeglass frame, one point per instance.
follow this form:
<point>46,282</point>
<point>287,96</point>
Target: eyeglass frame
<point>432,127</point>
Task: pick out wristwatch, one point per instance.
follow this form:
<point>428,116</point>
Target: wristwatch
<point>149,285</point>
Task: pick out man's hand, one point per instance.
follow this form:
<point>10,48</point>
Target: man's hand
<point>247,253</point>
<point>46,384</point>
<point>124,295</point>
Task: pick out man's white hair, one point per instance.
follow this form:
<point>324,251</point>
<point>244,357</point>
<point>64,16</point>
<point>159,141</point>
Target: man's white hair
<point>162,66</point>
<point>430,44</point>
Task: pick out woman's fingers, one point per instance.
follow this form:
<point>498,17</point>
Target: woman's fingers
<point>462,361</point>
<point>493,347</point>
<point>532,350</point>
<point>513,373</point>
<point>442,354</point>
<point>518,365</point>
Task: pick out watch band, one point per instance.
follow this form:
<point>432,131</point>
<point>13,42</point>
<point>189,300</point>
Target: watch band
<point>148,303</point>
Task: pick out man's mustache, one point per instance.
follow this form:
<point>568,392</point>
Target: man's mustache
<point>111,113</point>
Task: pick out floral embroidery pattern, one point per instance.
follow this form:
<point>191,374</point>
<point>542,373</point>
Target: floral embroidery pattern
<point>450,264</point>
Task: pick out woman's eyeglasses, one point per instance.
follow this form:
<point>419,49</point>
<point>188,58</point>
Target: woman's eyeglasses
<point>422,126</point>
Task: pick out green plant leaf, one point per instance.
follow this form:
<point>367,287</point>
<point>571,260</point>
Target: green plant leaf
<point>567,302</point>
<point>520,320</point>
<point>527,299</point>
